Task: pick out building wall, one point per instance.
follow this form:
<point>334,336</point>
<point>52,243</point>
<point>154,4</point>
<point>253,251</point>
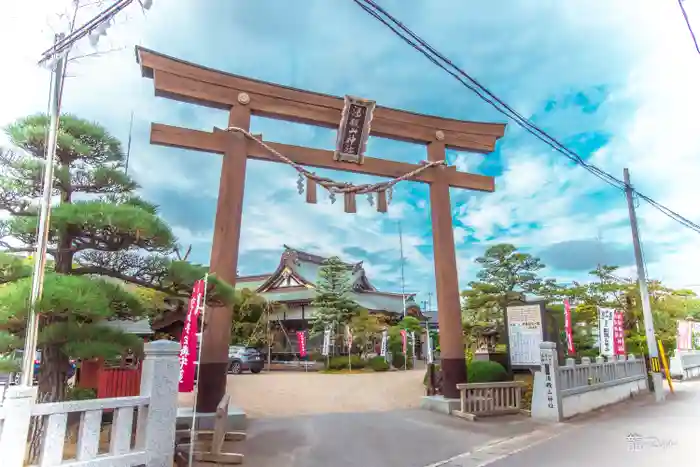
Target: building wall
<point>294,312</point>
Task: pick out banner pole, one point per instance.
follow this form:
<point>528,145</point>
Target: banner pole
<point>193,432</point>
<point>349,337</point>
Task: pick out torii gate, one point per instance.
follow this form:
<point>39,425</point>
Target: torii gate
<point>243,97</point>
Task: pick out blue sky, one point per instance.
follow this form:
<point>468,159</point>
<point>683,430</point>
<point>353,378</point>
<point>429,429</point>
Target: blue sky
<point>617,81</point>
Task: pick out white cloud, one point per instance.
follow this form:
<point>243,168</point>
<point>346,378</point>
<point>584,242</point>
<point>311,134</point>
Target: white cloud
<point>529,53</point>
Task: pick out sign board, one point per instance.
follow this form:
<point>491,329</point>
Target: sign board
<point>606,331</point>
<point>688,335</point>
<point>354,129</point>
<point>525,334</point>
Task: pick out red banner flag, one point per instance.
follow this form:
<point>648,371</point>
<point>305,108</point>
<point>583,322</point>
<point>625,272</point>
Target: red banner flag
<point>188,340</point>
<point>619,333</point>
<point>569,328</point>
<point>301,343</point>
<point>403,340</point>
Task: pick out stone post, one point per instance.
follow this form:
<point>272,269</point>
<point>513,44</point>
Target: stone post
<point>17,407</point>
<point>570,362</point>
<point>546,396</point>
<point>159,380</point>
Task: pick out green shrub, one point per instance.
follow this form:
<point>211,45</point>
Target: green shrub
<point>397,361</point>
<point>338,363</point>
<point>80,394</point>
<point>378,364</point>
<point>357,362</point>
<point>343,363</point>
<point>486,371</point>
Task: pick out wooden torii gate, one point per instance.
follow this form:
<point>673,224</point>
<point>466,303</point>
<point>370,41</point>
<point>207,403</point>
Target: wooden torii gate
<point>243,97</point>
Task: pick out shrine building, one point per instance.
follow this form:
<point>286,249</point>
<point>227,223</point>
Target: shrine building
<point>293,284</point>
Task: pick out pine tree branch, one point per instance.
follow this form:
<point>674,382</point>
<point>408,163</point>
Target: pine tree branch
<point>100,271</point>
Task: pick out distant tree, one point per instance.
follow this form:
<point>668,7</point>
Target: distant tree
<point>333,304</point>
<point>607,290</point>
<point>251,313</point>
<point>395,342</point>
<point>103,243</point>
<point>506,275</point>
<point>365,327</point>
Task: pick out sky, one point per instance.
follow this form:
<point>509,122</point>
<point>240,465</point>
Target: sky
<point>615,81</point>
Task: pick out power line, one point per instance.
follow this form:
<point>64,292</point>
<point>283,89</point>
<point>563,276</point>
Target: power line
<point>690,28</point>
<point>412,39</point>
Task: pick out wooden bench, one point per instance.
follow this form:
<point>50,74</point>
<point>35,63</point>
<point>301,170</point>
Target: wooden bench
<point>209,445</point>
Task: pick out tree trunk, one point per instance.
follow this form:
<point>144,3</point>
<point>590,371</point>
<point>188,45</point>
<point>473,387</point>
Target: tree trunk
<point>53,374</point>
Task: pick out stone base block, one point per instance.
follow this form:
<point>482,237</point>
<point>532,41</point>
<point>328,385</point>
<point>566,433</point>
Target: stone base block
<point>439,404</point>
<point>205,421</point>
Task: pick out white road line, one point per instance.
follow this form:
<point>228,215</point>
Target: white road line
<point>500,449</point>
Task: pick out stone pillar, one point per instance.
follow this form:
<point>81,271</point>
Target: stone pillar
<point>18,404</point>
<point>546,396</point>
<point>159,381</point>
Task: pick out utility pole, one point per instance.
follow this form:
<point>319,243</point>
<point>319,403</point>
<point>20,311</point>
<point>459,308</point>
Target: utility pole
<point>657,379</point>
<point>44,216</point>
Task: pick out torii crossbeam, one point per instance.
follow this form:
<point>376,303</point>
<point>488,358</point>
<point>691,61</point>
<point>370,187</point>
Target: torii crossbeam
<point>243,97</point>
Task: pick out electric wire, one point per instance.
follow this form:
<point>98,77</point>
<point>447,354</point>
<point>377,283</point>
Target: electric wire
<point>690,28</point>
<point>472,84</point>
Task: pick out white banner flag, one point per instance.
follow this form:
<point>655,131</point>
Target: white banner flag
<point>606,331</point>
<point>429,345</point>
<point>326,342</point>
<point>382,350</point>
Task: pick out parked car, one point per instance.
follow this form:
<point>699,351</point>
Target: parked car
<point>241,358</point>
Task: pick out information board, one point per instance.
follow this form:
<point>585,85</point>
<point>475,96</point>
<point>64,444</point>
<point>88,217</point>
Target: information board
<point>524,334</point>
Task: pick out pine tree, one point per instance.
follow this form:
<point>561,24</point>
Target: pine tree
<point>333,304</point>
<point>103,243</point>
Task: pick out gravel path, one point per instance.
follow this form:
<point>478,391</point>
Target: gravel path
<point>285,394</point>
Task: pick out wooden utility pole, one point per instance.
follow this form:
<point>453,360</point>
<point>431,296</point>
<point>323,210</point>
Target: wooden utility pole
<point>244,97</point>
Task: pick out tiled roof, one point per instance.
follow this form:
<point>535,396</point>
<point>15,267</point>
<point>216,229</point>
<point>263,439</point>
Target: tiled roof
<point>141,327</point>
<point>251,282</point>
<point>282,296</point>
<point>307,266</point>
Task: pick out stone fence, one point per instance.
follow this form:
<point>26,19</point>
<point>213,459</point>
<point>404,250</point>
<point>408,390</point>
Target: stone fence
<point>685,364</point>
<point>561,392</point>
<point>154,411</point>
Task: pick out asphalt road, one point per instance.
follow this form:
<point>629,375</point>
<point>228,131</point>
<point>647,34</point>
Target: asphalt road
<point>416,438</point>
<point>666,434</point>
<point>397,438</point>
